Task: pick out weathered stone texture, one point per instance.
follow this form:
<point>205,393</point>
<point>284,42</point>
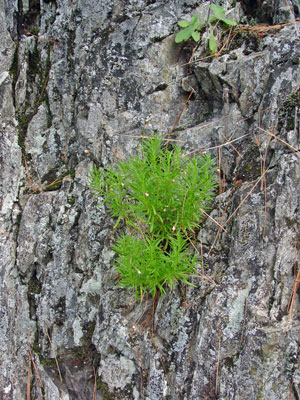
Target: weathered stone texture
<point>80,81</point>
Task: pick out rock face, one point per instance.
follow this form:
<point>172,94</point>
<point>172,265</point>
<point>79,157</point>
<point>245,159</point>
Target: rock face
<point>80,81</point>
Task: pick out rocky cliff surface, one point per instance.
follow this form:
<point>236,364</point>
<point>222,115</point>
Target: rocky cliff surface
<point>80,81</point>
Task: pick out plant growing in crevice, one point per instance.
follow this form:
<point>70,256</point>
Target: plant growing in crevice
<point>191,29</point>
<point>161,195</point>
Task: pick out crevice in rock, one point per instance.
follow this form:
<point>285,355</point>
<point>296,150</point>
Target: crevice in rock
<point>20,19</point>
<point>158,88</point>
<point>53,180</point>
<point>258,10</point>
<point>34,289</point>
<point>31,20</point>
<point>51,1</point>
<point>249,40</point>
<point>36,76</point>
<point>14,72</point>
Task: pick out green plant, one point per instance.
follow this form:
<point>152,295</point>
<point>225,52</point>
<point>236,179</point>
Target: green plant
<point>191,29</point>
<point>161,195</point>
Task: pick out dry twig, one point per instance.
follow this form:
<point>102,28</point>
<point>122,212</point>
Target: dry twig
<point>95,384</point>
<point>53,351</point>
<point>34,365</point>
<point>295,150</point>
<point>295,288</point>
<point>246,197</point>
<point>180,114</point>
<point>218,362</point>
<point>28,381</point>
<point>40,38</point>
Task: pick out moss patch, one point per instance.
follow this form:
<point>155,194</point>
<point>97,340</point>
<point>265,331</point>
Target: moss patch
<point>287,111</point>
<point>251,40</point>
<point>53,181</point>
<point>104,391</point>
<point>34,288</point>
<point>48,362</point>
<point>24,120</point>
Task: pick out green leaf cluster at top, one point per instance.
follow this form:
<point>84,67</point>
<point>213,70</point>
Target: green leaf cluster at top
<point>161,195</point>
<point>191,29</point>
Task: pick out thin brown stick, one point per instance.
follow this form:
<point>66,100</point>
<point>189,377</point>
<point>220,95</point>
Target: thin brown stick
<point>265,208</point>
<point>282,141</point>
<point>147,321</point>
<point>57,180</point>
<point>266,152</point>
<point>263,28</point>
<point>145,137</point>
<point>219,230</point>
<point>28,381</point>
<point>218,362</point>
<point>262,159</point>
<point>220,183</point>
<point>154,305</point>
<point>40,189</point>
<point>220,176</point>
<point>160,359</point>
<point>43,89</point>
<point>204,149</point>
<point>220,216</point>
<point>191,242</point>
<point>296,120</point>
<point>28,175</point>
<point>295,288</point>
<point>40,38</point>
<point>201,252</point>
<point>229,142</point>
<point>198,59</point>
<point>291,390</point>
<point>95,384</point>
<point>246,197</point>
<point>64,155</point>
<point>233,35</point>
<point>257,140</point>
<point>216,222</point>
<point>139,354</point>
<point>226,42</point>
<point>142,363</point>
<point>34,364</point>
<point>182,210</point>
<point>180,114</point>
<point>265,188</point>
<point>53,351</point>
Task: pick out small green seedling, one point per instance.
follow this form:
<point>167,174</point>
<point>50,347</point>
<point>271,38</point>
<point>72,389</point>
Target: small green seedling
<point>191,29</point>
<point>219,15</point>
<point>161,195</point>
